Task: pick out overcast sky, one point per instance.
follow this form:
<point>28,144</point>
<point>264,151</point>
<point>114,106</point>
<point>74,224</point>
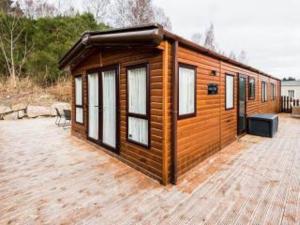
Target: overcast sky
<point>268,30</point>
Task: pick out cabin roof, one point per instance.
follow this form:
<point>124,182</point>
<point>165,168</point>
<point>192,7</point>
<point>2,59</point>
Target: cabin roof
<point>150,35</point>
<point>290,83</point>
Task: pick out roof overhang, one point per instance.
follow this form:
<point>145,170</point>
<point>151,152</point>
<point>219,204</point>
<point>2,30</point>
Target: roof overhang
<point>147,35</point>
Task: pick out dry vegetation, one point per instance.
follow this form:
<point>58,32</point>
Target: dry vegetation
<point>30,93</point>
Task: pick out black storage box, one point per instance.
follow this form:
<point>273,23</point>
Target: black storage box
<point>265,125</point>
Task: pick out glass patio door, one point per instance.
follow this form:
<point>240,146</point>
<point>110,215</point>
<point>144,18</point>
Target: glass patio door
<point>109,108</point>
<point>242,104</point>
<point>93,106</point>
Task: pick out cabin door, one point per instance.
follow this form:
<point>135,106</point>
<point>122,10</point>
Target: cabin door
<point>103,127</point>
<point>242,119</point>
<point>109,108</point>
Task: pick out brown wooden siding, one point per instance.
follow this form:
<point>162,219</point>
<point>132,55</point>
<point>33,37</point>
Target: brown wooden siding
<point>197,137</point>
<point>146,160</point>
<point>214,127</point>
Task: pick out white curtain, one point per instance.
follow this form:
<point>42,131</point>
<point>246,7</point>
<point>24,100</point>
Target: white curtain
<point>93,97</point>
<point>138,130</point>
<point>186,91</point>
<point>229,92</point>
<point>78,99</point>
<point>78,89</point>
<point>79,115</point>
<point>137,90</point>
<point>109,108</point>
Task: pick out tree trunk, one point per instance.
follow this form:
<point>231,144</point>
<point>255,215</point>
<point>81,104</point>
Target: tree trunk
<point>13,69</point>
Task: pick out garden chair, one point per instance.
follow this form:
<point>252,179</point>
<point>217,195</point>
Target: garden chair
<point>67,117</point>
<point>58,117</point>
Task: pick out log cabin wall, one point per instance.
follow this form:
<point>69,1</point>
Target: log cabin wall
<point>198,137</point>
<point>148,161</point>
<point>213,127</point>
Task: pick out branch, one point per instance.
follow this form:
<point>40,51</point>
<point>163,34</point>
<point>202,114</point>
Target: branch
<point>5,55</point>
<point>27,51</point>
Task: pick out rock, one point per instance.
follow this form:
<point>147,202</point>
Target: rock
<point>11,116</point>
<point>19,106</point>
<point>60,106</point>
<point>4,110</point>
<point>36,111</point>
<point>21,114</point>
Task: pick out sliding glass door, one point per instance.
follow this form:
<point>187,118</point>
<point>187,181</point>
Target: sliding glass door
<point>109,108</point>
<point>93,106</point>
<point>103,107</point>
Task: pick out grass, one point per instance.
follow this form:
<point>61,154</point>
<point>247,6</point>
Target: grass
<point>30,93</point>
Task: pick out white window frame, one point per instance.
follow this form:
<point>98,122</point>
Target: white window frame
<point>136,117</point>
<point>187,110</point>
<point>291,92</point>
<point>79,117</point>
<point>229,91</point>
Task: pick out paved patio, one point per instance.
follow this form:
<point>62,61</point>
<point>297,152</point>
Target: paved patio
<point>49,177</point>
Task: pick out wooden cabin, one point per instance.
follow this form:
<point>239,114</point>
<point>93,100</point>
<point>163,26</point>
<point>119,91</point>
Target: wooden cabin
<point>159,102</point>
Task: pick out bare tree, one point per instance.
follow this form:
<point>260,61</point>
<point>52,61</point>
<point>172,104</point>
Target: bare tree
<point>38,8</point>
<point>13,41</point>
<point>242,57</point>
<point>197,38</point>
<point>232,55</point>
<point>98,8</point>
<point>161,18</point>
<point>209,39</point>
<point>137,12</point>
<point>5,5</point>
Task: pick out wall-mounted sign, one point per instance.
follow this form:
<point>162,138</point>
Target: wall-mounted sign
<point>212,89</point>
<point>213,73</point>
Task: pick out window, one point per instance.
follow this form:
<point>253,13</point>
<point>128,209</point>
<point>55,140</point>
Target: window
<point>138,104</point>
<point>186,91</point>
<point>264,91</point>
<point>251,88</point>
<point>78,100</point>
<point>229,86</point>
<point>273,91</point>
<point>291,93</point>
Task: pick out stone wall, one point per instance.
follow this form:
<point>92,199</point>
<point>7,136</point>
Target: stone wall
<point>21,110</point>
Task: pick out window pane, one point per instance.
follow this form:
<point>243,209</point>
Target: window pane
<point>229,92</point>
<point>137,91</point>
<point>78,91</point>
<point>186,91</point>
<point>263,92</point>
<point>79,115</point>
<point>266,92</point>
<point>251,88</point>
<point>291,93</point>
<point>138,130</point>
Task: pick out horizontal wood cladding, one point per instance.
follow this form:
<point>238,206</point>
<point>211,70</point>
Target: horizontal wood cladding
<point>197,137</point>
<point>148,161</point>
<point>214,127</point>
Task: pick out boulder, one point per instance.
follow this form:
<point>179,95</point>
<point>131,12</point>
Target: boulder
<point>21,114</point>
<point>4,110</point>
<point>19,106</point>
<point>60,106</point>
<point>11,116</point>
<point>36,111</point>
